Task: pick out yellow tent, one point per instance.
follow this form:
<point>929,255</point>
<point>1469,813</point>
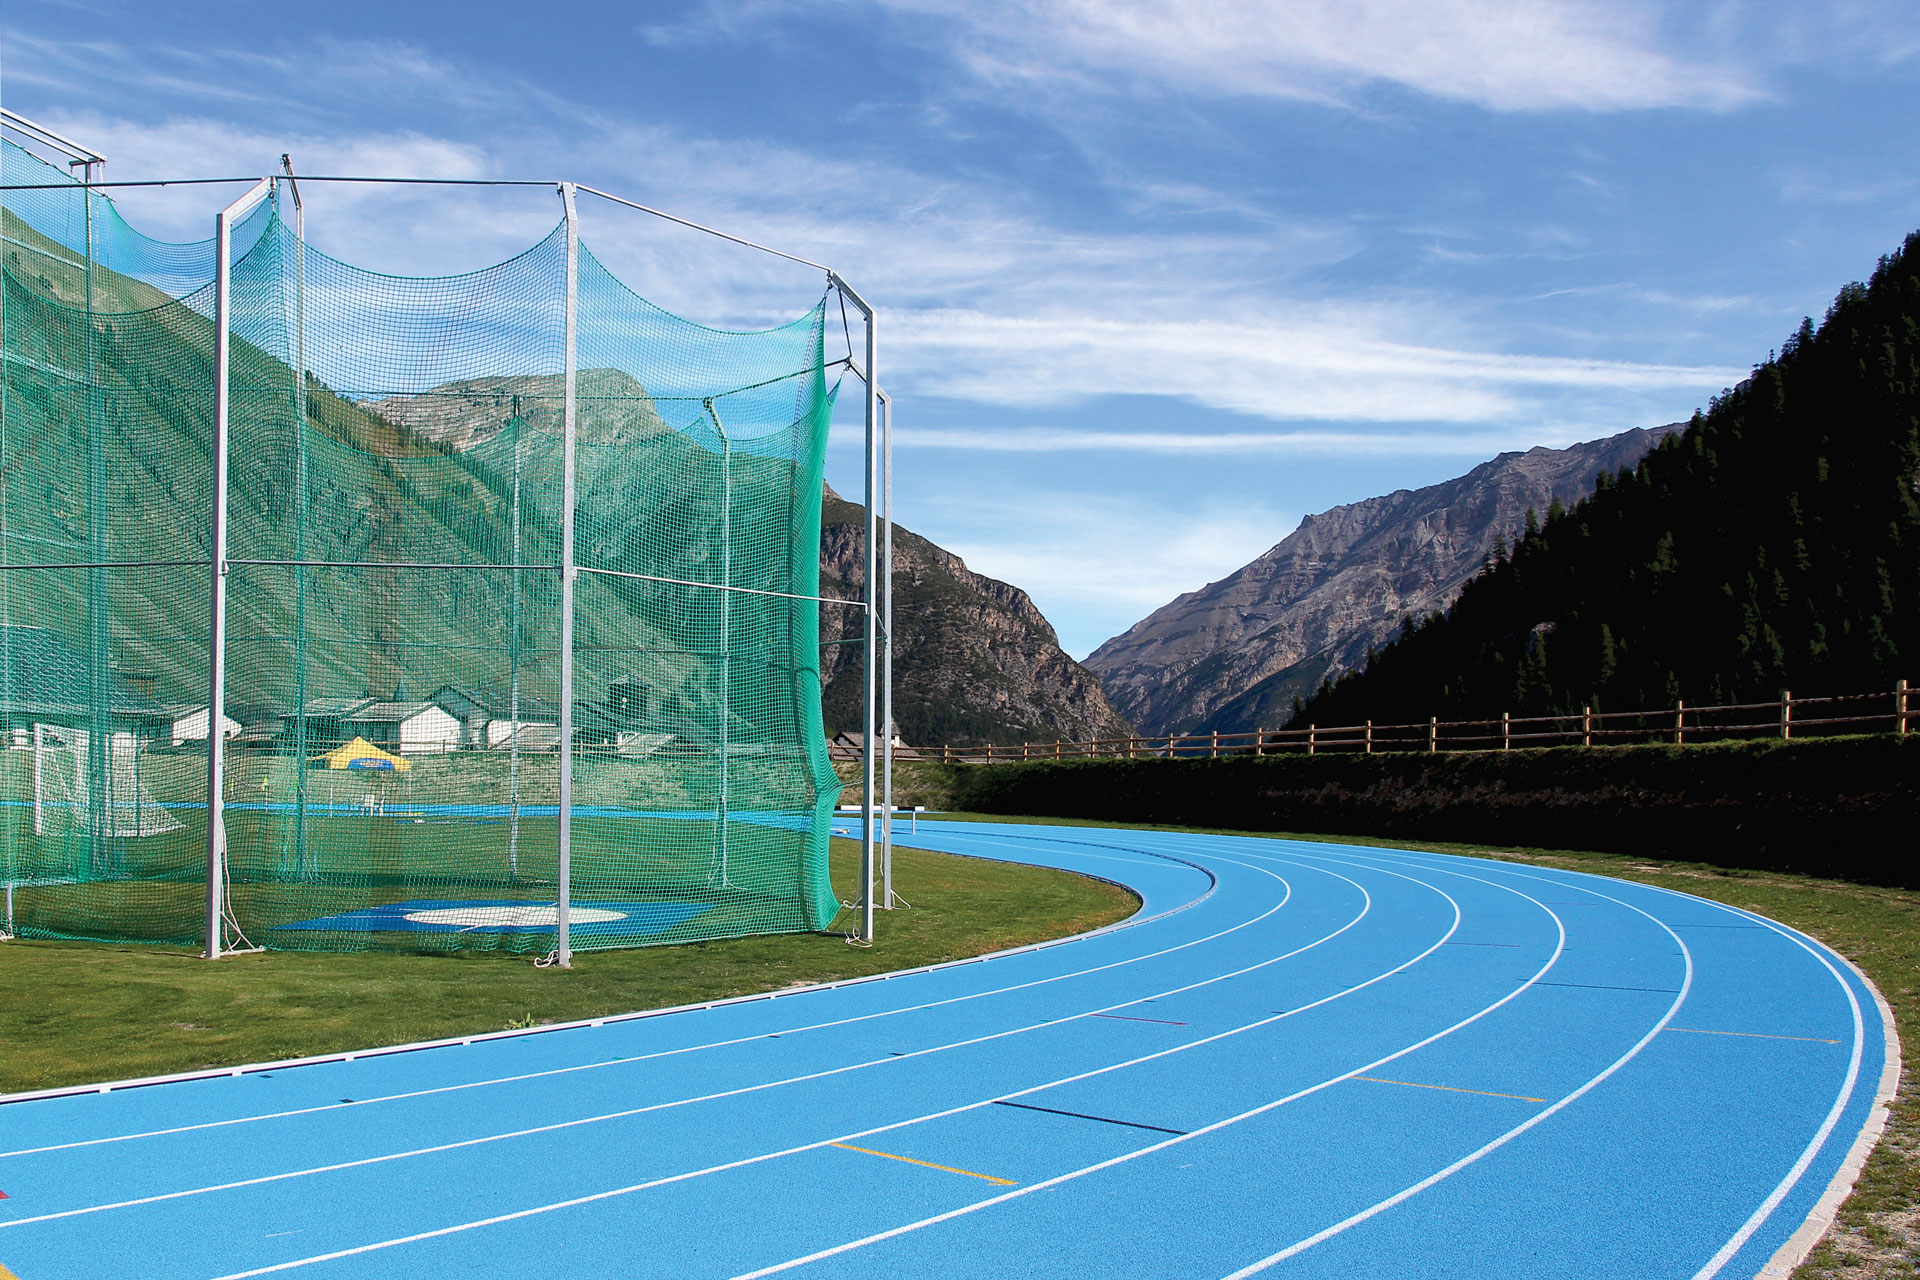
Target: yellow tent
<point>361,754</point>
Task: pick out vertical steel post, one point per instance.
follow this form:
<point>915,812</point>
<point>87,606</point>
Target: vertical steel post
<point>869,616</point>
<point>100,775</point>
<point>886,649</point>
<point>726,637</point>
<point>301,513</point>
<point>513,662</point>
<point>563,948</point>
<point>217,563</point>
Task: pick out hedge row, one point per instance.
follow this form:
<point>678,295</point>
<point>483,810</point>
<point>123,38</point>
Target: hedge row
<point>1842,807</point>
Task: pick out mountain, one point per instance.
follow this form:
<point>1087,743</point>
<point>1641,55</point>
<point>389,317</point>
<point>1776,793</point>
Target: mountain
<point>973,661</point>
<point>1775,543</point>
<point>1234,654</point>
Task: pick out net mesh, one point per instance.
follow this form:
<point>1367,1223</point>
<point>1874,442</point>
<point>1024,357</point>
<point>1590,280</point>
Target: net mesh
<point>396,506</point>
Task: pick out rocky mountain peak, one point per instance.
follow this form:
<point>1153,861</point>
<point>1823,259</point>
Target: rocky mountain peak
<point>1233,654</point>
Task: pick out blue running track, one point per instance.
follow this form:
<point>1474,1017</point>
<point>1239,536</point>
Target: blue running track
<point>1296,1060</point>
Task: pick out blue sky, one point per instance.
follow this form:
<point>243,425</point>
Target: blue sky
<point>1157,279</point>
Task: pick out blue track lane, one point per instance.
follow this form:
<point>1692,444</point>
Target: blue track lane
<point>1296,1060</point>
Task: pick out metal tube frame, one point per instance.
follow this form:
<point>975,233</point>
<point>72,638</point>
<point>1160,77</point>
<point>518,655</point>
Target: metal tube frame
<point>876,604</point>
<point>563,945</point>
<point>217,564</point>
<point>887,895</point>
<point>304,498</point>
<point>868,614</point>
<point>48,138</point>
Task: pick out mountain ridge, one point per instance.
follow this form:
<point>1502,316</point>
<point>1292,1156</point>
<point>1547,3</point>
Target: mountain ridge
<point>1233,654</point>
<point>974,660</point>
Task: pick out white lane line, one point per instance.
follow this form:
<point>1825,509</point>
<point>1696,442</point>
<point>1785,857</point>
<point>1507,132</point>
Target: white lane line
<point>1781,1190</point>
<point>1216,1126</point>
<point>664,1053</point>
<point>1539,1118</point>
<point>901,1124</point>
<point>1739,1239</point>
<point>1367,905</point>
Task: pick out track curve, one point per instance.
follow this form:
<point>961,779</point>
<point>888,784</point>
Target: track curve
<point>1295,1060</point>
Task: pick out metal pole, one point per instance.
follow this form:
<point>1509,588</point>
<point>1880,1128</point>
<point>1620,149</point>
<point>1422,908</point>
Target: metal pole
<point>513,662</point>
<point>868,617</point>
<point>300,534</point>
<point>99,741</point>
<point>563,949</point>
<point>726,633</point>
<point>886,648</point>
<point>217,562</point>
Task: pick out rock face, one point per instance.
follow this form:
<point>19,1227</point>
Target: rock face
<point>973,660</point>
<point>1233,655</point>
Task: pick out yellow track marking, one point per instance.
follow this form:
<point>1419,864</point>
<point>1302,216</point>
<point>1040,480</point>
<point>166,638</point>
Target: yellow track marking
<point>1752,1035</point>
<point>6,1274</point>
<point>1413,1084</point>
<point>928,1164</point>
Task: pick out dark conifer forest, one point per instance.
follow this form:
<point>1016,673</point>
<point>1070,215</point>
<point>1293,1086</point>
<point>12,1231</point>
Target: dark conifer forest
<point>1773,544</point>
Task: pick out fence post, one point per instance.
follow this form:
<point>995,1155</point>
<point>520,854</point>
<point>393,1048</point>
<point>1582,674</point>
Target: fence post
<point>1213,752</point>
<point>1433,733</point>
<point>1506,730</point>
<point>1310,743</point>
<point>1680,722</point>
<point>1369,737</point>
<point>1786,713</point>
<point>1056,748</point>
<point>1586,726</point>
<point>1900,707</point>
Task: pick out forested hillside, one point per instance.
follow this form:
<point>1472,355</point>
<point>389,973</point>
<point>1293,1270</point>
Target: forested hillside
<point>1774,543</point>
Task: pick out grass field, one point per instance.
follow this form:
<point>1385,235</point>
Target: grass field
<point>75,1012</point>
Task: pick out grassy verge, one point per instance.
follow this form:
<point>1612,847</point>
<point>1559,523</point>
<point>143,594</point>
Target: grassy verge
<point>1878,1233</point>
<point>77,1012</point>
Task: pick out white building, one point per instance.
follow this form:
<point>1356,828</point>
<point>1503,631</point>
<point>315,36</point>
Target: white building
<point>189,724</point>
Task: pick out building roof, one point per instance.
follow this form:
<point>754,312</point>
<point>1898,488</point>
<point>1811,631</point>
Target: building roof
<point>334,708</point>
<point>390,712</point>
<point>44,674</point>
<point>466,700</point>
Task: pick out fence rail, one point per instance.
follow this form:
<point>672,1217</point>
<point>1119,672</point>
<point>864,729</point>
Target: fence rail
<point>1891,711</point>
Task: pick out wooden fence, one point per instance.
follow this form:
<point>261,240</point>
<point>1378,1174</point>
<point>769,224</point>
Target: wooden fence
<point>1890,712</point>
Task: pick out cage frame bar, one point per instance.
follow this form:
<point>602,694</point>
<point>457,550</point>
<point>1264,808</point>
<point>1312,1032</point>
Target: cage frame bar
<point>217,553</point>
<point>563,942</point>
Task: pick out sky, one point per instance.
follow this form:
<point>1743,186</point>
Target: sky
<point>1156,279</point>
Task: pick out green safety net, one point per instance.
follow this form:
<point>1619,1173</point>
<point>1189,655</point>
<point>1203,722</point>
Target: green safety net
<point>394,598</point>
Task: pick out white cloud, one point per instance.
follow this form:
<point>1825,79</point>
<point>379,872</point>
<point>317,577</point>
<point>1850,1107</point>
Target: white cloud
<point>1343,444</point>
<point>1328,363</point>
<point>1502,54</point>
<point>984,297</point>
<point>1096,565</point>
